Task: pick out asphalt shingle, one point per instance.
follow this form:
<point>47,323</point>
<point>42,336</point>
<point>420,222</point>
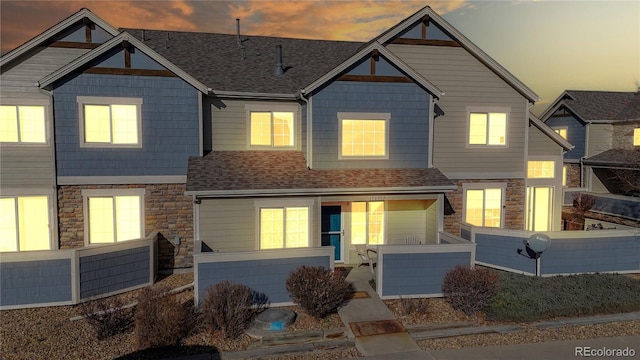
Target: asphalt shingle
<point>605,105</point>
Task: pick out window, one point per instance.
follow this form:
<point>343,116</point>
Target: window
<point>271,126</point>
<point>564,175</point>
<point>539,208</point>
<point>483,207</point>
<point>284,227</point>
<point>562,132</point>
<point>113,215</point>
<point>367,223</point>
<point>636,137</point>
<point>110,122</point>
<point>24,224</point>
<point>22,124</point>
<point>488,128</point>
<point>541,169</point>
<point>364,135</point>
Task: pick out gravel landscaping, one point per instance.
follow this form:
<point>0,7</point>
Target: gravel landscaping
<point>48,333</point>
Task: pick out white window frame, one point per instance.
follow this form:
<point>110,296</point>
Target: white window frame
<point>541,160</point>
<point>364,116</point>
<point>89,193</point>
<point>487,110</point>
<point>46,105</point>
<point>266,107</point>
<point>18,193</point>
<point>283,204</point>
<point>99,100</point>
<point>484,186</point>
<point>565,128</point>
<point>385,217</point>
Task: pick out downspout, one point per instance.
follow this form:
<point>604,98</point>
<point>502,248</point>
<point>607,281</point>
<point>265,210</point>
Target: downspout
<point>309,103</point>
<point>431,127</point>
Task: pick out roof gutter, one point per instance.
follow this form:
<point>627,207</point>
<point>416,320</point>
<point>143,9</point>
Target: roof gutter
<point>325,191</point>
<point>252,95</point>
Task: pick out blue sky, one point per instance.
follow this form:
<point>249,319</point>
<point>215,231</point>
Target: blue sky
<point>549,45</point>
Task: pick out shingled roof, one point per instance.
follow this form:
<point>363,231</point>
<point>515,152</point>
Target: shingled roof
<point>623,158</point>
<point>218,62</point>
<point>223,173</point>
<point>603,105</point>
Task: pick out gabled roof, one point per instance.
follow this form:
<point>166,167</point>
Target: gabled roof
<point>116,41</point>
<point>54,30</point>
<point>265,173</point>
<point>387,54</point>
<point>467,44</point>
<point>218,61</point>
<point>598,106</point>
<point>547,130</point>
<point>616,158</point>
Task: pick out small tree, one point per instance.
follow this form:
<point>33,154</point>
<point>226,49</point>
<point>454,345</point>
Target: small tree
<point>318,290</point>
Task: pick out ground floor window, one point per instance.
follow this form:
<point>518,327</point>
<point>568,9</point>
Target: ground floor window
<point>284,227</point>
<point>24,224</point>
<point>483,206</point>
<point>539,208</point>
<point>367,223</point>
<point>113,215</point>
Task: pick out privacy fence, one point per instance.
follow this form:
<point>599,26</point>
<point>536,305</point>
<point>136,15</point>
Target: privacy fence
<point>571,252</point>
<point>66,277</point>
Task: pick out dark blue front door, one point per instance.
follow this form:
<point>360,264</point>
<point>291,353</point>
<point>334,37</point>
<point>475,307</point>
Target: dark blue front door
<point>331,229</point>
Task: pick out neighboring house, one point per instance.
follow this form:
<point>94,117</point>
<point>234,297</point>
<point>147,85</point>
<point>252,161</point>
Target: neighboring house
<point>605,129</point>
<point>248,143</point>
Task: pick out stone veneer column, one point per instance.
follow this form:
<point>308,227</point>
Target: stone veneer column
<point>514,202</point>
<point>166,208</point>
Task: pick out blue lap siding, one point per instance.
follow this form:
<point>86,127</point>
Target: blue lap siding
<point>408,129</point>
<point>34,282</point>
<point>105,273</point>
<point>264,276</point>
<point>418,274</point>
<point>502,251</point>
<point>170,129</point>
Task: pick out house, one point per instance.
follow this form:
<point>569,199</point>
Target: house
<point>247,143</point>
<point>605,129</point>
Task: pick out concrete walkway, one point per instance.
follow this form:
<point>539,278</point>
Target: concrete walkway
<point>370,322</point>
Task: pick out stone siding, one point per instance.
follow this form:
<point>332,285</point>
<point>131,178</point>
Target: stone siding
<point>514,204</point>
<point>623,135</point>
<point>166,208</point>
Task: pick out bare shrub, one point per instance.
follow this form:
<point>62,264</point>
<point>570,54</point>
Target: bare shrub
<point>318,290</point>
<point>107,316</point>
<point>410,306</point>
<point>470,290</point>
<point>583,202</point>
<point>230,307</point>
<point>160,319</point>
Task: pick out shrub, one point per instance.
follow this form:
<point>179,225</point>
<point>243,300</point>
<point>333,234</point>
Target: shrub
<point>230,307</point>
<point>160,319</point>
<point>470,289</point>
<point>410,306</point>
<point>526,298</point>
<point>318,290</point>
<point>107,316</point>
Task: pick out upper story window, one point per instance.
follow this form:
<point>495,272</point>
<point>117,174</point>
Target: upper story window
<point>562,132</point>
<point>364,135</point>
<point>22,124</point>
<point>488,128</point>
<point>272,126</point>
<point>24,224</point>
<point>541,169</point>
<point>636,137</point>
<point>113,215</point>
<point>110,121</point>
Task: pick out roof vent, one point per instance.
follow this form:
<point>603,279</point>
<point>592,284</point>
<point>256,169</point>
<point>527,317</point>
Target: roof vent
<point>279,67</point>
<point>240,46</point>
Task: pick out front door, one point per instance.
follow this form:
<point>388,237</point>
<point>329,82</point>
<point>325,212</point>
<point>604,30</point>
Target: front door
<point>331,229</point>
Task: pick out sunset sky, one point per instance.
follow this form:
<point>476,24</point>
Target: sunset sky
<point>549,45</point>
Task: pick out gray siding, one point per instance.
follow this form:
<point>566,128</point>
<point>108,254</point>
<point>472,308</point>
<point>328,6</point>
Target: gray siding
<point>542,145</point>
<point>229,124</point>
<point>170,129</point>
<point>30,165</point>
<point>567,256</point>
<point>228,225</point>
<point>408,129</point>
<point>502,251</point>
<point>264,276</point>
<point>105,273</point>
<point>33,282</point>
<point>600,138</point>
<point>467,82</point>
<point>418,274</point>
<point>576,134</point>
